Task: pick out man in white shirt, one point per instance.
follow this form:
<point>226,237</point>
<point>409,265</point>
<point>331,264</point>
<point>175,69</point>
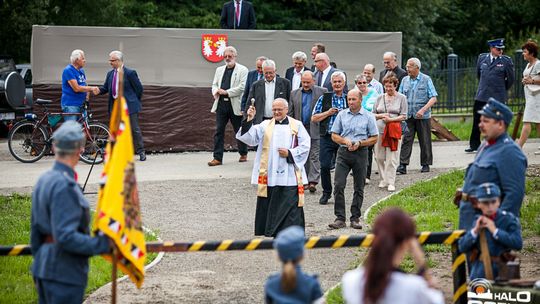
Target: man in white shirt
<point>294,73</point>
<point>369,71</point>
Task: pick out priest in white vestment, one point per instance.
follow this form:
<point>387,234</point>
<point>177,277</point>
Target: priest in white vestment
<point>278,170</point>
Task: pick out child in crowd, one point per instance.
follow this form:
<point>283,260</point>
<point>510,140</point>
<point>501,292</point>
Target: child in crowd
<point>292,285</point>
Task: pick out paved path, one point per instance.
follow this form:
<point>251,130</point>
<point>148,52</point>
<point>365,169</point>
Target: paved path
<point>184,199</point>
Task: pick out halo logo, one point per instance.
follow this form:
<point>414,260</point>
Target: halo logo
<point>480,293</point>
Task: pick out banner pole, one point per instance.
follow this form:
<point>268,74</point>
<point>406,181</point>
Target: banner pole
<point>114,273</point>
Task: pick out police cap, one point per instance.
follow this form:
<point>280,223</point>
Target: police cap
<point>497,110</point>
<point>289,243</point>
<point>487,192</point>
<point>69,137</point>
<point>496,43</point>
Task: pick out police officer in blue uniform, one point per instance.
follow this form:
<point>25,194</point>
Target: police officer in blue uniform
<point>291,285</point>
<point>495,72</point>
<point>60,240</point>
<point>503,232</point>
<point>499,160</point>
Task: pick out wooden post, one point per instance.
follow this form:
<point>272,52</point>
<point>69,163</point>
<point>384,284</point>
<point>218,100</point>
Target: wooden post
<point>519,117</point>
<point>114,274</point>
<point>484,255</point>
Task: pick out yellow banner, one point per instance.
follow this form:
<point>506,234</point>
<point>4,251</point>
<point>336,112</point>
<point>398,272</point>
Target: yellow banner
<point>118,212</point>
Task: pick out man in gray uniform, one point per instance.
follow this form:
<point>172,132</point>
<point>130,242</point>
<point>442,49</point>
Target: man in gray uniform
<point>496,74</point>
<point>60,240</point>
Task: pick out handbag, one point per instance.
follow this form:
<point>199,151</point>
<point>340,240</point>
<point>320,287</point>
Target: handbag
<point>403,123</point>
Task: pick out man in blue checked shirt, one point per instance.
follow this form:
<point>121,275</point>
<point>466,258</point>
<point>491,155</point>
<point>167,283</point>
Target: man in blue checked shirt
<point>326,119</point>
<point>354,130</point>
<point>421,96</point>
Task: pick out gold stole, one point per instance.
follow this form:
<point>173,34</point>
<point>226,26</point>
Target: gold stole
<point>262,183</point>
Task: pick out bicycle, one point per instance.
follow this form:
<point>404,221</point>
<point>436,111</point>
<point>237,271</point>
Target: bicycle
<point>30,139</point>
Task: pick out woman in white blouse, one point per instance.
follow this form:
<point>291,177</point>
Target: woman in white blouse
<point>531,84</point>
<point>380,280</point>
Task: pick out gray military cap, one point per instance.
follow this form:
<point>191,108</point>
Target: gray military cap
<point>69,137</point>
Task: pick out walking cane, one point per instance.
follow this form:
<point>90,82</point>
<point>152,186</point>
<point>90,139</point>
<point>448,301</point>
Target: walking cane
<point>484,255</point>
<point>519,117</point>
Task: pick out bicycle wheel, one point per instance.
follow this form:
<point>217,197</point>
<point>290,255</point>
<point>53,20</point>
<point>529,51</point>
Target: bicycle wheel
<point>95,143</point>
<point>27,143</point>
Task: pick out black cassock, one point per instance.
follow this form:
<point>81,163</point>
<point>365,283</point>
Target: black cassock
<point>278,211</point>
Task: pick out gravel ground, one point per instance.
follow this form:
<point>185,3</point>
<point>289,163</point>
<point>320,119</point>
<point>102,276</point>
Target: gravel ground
<point>224,209</point>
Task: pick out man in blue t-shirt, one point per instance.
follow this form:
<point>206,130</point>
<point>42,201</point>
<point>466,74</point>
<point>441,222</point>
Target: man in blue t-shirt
<point>74,88</point>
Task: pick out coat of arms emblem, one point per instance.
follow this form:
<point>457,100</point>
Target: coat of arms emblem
<point>213,46</point>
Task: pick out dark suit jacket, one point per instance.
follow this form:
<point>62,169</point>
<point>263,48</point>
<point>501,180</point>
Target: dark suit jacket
<point>258,91</point>
<point>247,16</point>
<point>289,73</point>
<point>495,77</point>
<point>400,73</point>
<point>251,78</point>
<point>295,107</point>
<point>328,83</point>
<point>133,90</point>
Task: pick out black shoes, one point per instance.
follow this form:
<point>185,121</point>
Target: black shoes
<point>324,199</point>
<point>470,150</point>
<point>425,168</point>
<point>142,156</point>
<point>337,224</point>
<point>402,169</point>
<point>355,224</point>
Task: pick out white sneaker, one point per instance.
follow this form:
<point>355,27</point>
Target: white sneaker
<point>382,184</point>
<point>367,181</point>
<point>391,188</point>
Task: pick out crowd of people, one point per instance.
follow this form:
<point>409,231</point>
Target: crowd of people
<point>304,126</point>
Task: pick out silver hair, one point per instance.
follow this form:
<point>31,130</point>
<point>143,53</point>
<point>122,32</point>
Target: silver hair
<point>308,72</point>
<point>283,100</point>
<point>269,63</point>
<point>416,62</point>
<point>358,77</point>
<point>76,54</point>
<point>299,56</point>
<point>263,58</point>
<point>118,55</point>
<point>390,54</point>
<point>339,74</point>
<point>231,49</point>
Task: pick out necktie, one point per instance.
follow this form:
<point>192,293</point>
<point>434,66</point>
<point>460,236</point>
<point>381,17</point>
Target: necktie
<point>114,83</point>
<point>259,76</point>
<point>319,79</point>
<point>237,13</point>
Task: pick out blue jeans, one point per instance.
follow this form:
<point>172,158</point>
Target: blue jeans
<point>71,109</point>
<point>327,150</point>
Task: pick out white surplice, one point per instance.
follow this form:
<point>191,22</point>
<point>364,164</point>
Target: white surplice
<point>280,173</point>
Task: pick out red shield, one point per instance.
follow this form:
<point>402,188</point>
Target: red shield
<point>213,46</point>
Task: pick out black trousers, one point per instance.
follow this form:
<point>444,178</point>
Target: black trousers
<point>369,161</point>
<point>345,162</point>
<point>136,133</point>
<point>224,114</point>
<point>422,127</point>
<point>474,141</point>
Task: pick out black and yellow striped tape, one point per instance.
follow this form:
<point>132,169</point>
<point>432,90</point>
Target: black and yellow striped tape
<point>362,240</point>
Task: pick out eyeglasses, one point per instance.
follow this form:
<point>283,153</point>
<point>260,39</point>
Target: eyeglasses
<point>113,60</point>
<point>361,82</point>
<point>386,62</point>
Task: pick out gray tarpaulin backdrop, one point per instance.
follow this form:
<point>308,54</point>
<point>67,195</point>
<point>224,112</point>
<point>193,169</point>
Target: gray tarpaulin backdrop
<point>177,99</point>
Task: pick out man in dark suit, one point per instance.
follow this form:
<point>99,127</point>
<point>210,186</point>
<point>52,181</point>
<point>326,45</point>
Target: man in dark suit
<point>252,77</point>
<point>323,72</point>
<point>133,90</point>
<point>496,74</point>
<point>266,90</point>
<point>238,14</point>
<point>294,73</point>
<point>301,106</point>
<point>391,66</point>
<point>316,49</point>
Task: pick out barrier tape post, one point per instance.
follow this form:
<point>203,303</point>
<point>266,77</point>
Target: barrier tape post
<point>459,275</point>
<point>362,240</point>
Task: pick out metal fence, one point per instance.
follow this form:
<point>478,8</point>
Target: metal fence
<point>456,83</point>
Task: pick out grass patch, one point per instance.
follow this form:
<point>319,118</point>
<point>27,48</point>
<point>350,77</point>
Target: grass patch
<point>430,204</point>
<point>463,129</point>
<point>16,285</point>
